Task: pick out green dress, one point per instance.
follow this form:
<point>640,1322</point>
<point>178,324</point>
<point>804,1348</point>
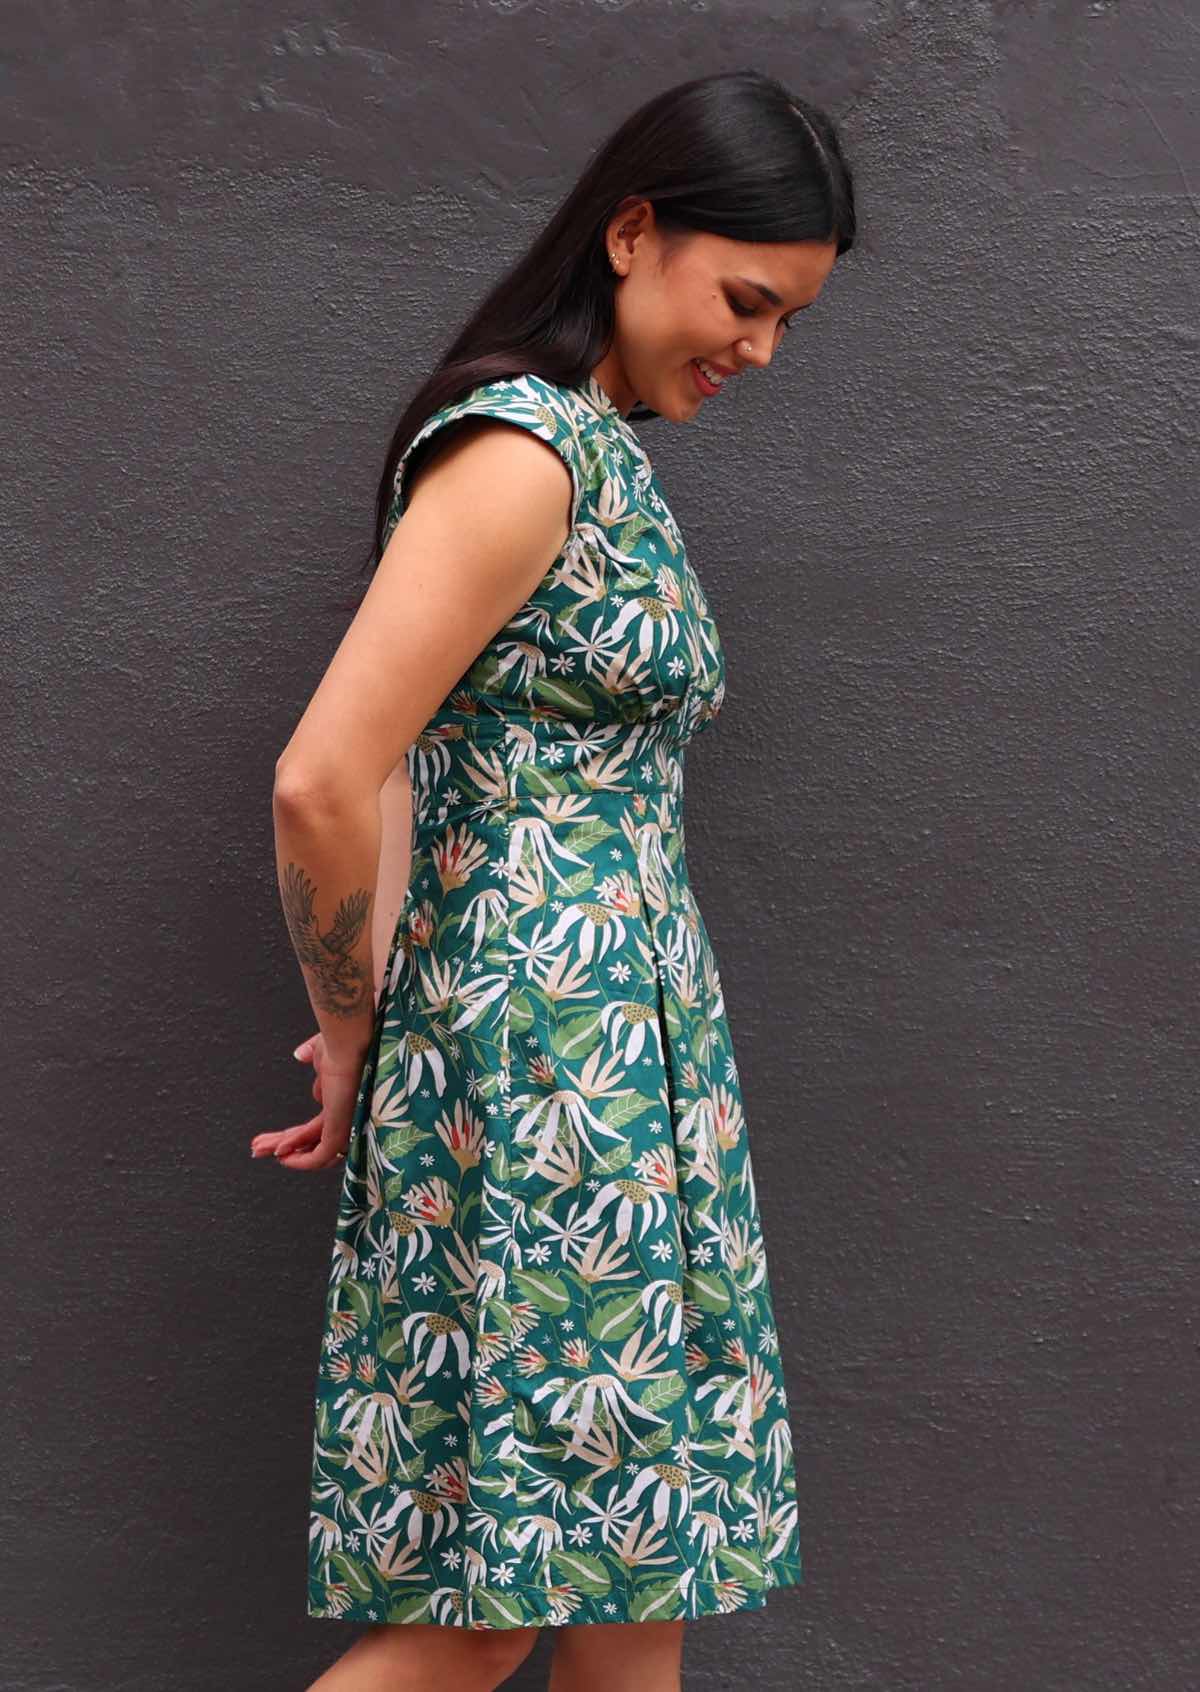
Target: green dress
<point>549,1388</point>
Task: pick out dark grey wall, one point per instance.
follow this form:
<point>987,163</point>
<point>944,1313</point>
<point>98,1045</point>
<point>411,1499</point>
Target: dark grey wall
<point>944,836</point>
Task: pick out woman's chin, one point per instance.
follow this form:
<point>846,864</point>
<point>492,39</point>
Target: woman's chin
<point>681,400</point>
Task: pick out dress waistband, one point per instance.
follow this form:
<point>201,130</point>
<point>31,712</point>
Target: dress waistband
<point>494,771</point>
<point>662,807</point>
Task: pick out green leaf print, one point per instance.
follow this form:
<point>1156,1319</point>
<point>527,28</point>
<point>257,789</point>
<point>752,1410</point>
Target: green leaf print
<point>520,1011</point>
<point>416,1609</point>
<point>660,1393</point>
<point>576,1033</point>
<point>627,534</point>
<point>616,1317</point>
<point>740,1562</point>
<point>565,695</point>
<point>486,672</point>
<point>543,782</point>
<point>396,1143</point>
<point>584,1572</point>
<point>388,1061</point>
<point>579,881</point>
<point>499,1608</point>
<point>392,1346</point>
<point>546,1291</point>
<point>350,1571</point>
<point>617,1158</point>
<point>656,1601</point>
<point>589,835</point>
<point>361,1298</point>
<point>499,1314</point>
<point>619,1113</point>
<point>707,1290</point>
<point>423,1418</point>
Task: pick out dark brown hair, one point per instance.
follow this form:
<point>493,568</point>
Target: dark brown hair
<point>734,154</point>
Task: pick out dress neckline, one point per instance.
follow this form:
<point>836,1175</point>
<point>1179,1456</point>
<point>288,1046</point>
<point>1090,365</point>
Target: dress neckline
<point>600,401</point>
<point>598,396</point>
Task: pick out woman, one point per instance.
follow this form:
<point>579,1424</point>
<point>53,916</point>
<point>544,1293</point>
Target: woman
<point>549,1391</point>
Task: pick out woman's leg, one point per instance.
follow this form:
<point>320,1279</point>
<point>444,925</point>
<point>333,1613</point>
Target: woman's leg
<point>422,1657</point>
<point>617,1657</point>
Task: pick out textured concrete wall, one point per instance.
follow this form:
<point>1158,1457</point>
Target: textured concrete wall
<point>944,836</point>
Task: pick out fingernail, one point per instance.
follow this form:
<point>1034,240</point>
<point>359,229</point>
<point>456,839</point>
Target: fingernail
<point>296,1053</point>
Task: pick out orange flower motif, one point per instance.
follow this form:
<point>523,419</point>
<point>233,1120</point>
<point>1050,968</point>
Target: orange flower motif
<point>432,1201</point>
<point>456,855</point>
<point>462,1134</point>
<point>421,925</point>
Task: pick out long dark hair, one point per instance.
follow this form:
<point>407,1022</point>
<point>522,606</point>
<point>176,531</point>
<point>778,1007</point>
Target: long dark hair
<point>734,154</point>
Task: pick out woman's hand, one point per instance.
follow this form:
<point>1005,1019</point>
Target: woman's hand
<point>325,1136</point>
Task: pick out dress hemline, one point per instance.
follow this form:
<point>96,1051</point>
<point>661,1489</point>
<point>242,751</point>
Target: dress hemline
<point>534,1610</point>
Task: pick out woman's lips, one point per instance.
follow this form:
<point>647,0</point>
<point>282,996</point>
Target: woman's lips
<point>706,387</point>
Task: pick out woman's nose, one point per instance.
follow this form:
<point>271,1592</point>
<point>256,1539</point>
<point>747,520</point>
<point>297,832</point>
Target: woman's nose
<point>752,350</point>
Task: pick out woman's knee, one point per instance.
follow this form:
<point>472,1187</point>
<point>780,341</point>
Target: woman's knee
<point>621,1654</point>
<point>485,1655</point>
<point>503,1649</point>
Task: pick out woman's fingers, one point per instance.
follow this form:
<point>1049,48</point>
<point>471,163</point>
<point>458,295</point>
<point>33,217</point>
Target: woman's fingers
<point>301,1146</point>
<point>300,1138</point>
<point>321,1154</point>
<point>305,1133</point>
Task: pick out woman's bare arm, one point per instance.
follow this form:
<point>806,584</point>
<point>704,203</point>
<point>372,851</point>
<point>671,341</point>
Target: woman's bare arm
<point>395,861</point>
<point>459,563</point>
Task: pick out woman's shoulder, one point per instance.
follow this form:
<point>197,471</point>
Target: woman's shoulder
<point>559,414</point>
<point>539,404</point>
<point>519,395</point>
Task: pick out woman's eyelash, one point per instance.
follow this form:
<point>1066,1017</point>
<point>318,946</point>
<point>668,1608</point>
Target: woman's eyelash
<point>749,311</point>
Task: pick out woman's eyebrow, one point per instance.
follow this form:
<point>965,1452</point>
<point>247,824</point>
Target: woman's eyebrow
<point>769,293</point>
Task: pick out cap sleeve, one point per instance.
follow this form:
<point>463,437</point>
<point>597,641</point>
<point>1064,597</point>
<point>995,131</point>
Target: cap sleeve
<point>528,401</point>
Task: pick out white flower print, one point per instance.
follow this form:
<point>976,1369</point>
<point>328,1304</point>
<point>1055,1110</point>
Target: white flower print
<point>634,1199</point>
<point>420,1327</point>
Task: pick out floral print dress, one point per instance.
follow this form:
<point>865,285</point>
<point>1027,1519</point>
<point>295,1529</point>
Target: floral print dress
<point>549,1388</point>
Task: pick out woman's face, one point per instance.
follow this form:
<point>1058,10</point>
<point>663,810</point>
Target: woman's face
<point>703,296</point>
